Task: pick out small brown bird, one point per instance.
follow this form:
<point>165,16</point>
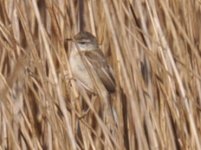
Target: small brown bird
<point>92,71</point>
<point>86,56</point>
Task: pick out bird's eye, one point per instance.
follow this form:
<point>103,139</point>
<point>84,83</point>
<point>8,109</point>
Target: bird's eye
<point>82,42</point>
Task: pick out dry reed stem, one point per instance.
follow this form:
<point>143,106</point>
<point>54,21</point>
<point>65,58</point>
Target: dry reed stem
<point>154,49</point>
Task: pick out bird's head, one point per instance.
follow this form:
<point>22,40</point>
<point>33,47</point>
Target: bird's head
<point>85,41</point>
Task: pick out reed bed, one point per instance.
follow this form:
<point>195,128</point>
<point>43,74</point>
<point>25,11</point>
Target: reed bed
<point>154,48</point>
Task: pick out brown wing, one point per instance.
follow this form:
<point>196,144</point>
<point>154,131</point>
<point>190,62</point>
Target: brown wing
<point>98,61</point>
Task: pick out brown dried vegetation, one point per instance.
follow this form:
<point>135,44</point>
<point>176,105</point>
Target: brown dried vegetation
<point>154,48</point>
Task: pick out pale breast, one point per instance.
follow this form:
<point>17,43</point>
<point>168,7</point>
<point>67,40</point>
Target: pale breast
<point>80,73</point>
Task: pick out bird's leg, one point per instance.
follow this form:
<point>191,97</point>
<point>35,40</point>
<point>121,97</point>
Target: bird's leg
<point>68,78</point>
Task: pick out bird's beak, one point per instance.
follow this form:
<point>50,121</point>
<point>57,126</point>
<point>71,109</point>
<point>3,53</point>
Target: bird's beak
<point>69,39</point>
